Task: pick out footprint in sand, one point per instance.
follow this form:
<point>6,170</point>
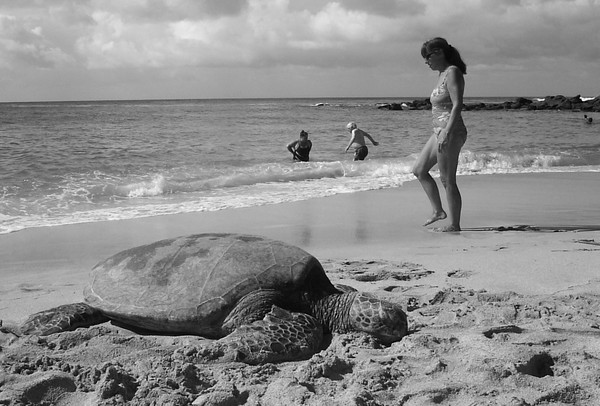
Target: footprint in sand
<point>460,273</point>
<point>377,270</point>
<point>28,287</point>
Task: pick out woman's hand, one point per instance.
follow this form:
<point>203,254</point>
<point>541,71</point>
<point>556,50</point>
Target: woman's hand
<point>442,139</point>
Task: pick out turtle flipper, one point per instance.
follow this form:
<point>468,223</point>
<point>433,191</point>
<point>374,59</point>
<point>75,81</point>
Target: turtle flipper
<point>62,318</point>
<point>252,307</point>
<point>280,336</point>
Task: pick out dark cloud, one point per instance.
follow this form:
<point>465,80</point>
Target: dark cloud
<point>388,8</point>
<point>162,10</point>
<point>25,46</point>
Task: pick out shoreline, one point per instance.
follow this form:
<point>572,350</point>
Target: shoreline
<point>48,266</point>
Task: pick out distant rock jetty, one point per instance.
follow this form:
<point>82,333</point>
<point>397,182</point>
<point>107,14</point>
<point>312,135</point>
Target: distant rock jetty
<point>558,102</point>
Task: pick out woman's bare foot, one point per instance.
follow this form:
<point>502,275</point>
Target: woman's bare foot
<point>436,217</point>
<point>448,229</point>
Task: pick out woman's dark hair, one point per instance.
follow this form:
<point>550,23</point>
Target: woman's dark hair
<point>452,55</point>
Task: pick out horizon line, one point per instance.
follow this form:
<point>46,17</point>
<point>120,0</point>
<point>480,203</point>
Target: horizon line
<point>279,98</point>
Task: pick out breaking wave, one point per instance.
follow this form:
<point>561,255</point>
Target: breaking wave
<point>100,197</point>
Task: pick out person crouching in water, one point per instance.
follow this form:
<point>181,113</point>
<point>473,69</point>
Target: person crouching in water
<point>357,140</point>
<point>300,148</point>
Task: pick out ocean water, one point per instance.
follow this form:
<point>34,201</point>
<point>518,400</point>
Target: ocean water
<point>73,162</point>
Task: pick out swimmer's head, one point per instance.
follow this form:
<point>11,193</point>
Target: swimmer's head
<point>303,133</point>
<point>351,126</point>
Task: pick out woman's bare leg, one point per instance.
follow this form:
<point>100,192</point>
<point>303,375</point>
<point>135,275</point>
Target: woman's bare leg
<point>425,162</point>
<point>448,164</point>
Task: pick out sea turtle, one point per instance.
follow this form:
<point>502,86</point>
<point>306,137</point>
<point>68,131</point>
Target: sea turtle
<point>264,299</point>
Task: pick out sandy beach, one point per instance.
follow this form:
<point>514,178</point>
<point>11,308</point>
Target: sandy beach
<point>496,317</point>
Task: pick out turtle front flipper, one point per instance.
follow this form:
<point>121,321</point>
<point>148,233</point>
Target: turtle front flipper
<point>62,318</point>
<point>280,336</point>
<point>252,307</point>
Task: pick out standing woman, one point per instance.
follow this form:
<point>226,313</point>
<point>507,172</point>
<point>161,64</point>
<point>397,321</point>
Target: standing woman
<point>301,147</point>
<point>449,131</point>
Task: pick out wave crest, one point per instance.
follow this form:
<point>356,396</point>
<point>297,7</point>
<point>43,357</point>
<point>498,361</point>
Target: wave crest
<point>494,162</point>
<point>185,181</point>
<point>154,187</point>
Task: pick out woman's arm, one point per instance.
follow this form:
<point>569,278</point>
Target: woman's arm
<point>455,83</point>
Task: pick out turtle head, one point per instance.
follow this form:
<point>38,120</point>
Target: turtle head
<point>381,318</point>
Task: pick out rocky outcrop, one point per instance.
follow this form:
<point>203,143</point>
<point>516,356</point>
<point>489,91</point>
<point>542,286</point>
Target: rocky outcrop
<point>566,103</point>
<point>390,106</point>
<point>558,102</point>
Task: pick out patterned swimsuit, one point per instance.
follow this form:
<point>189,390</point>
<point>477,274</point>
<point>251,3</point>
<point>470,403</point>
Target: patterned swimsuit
<point>441,106</point>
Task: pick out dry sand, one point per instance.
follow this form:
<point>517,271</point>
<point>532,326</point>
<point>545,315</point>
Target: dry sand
<point>496,317</point>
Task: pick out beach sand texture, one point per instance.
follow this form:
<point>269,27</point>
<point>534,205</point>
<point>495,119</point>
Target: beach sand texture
<point>496,317</point>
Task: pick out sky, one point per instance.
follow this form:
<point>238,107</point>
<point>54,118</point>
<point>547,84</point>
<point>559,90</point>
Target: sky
<point>64,50</point>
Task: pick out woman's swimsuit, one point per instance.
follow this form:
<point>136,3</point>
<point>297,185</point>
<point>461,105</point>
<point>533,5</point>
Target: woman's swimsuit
<point>302,151</point>
<point>441,106</point>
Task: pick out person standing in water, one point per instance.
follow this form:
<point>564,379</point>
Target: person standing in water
<point>357,140</point>
<point>301,147</point>
<point>449,131</point>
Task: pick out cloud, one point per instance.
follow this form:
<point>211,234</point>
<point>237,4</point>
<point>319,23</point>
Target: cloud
<point>25,44</point>
<point>175,38</point>
<point>261,32</point>
<point>521,30</point>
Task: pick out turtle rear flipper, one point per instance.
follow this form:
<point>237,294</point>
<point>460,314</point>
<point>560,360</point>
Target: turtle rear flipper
<point>62,318</point>
<point>280,336</point>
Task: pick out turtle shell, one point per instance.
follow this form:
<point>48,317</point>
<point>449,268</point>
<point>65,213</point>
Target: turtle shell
<point>190,284</point>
